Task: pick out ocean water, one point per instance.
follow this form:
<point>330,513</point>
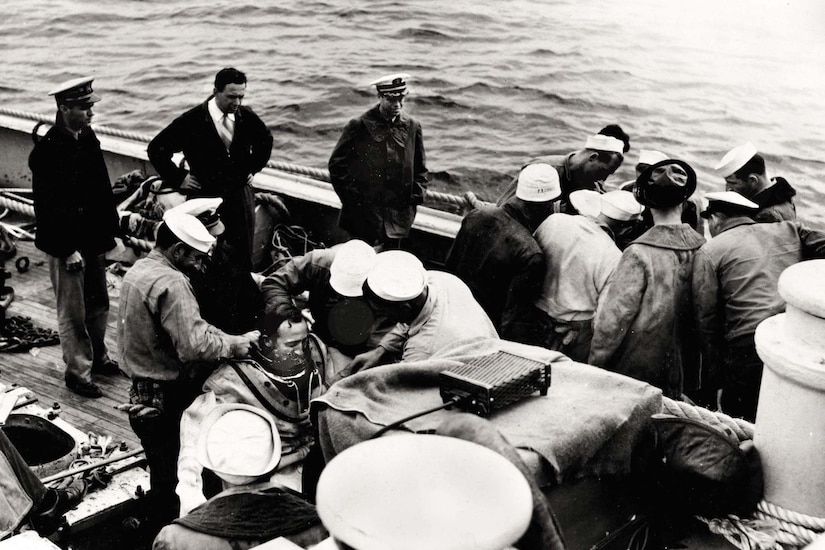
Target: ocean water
<point>494,82</point>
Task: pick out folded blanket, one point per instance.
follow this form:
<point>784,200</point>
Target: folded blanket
<point>588,423</point>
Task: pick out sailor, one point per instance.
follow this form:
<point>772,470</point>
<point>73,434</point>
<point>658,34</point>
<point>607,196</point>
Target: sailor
<point>242,445</point>
<point>224,143</point>
<point>162,339</point>
<point>735,277</point>
<point>642,326</point>
<point>378,168</point>
<point>436,307</point>
<point>279,386</point>
<point>227,293</point>
<point>581,255</point>
<point>745,172</point>
<point>495,253</point>
<point>342,318</point>
<point>411,491</point>
<point>25,498</point>
<point>586,168</point>
<point>76,224</point>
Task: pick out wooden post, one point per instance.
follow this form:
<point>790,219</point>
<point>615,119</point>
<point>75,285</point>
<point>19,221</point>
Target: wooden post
<point>790,419</point>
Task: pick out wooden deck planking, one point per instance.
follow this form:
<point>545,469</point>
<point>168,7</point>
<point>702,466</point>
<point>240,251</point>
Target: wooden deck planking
<point>41,369</point>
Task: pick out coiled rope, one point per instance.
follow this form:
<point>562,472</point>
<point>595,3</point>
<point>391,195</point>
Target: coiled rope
<point>772,527</point>
<point>315,173</point>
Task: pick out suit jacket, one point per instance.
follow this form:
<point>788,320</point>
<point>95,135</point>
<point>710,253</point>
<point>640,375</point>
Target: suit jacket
<point>221,173</point>
<point>73,201</point>
<point>379,171</point>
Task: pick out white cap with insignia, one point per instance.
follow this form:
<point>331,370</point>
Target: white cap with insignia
<point>205,209</point>
<point>392,84</point>
<point>538,183</point>
<point>408,492</point>
<point>238,442</point>
<point>608,144</point>
<point>76,90</point>
<point>735,159</point>
<point>397,276</point>
<point>349,269</point>
<point>190,231</point>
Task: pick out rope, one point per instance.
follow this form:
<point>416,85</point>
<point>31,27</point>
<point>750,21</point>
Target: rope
<point>16,205</point>
<point>774,511</point>
<point>741,428</point>
<point>315,173</point>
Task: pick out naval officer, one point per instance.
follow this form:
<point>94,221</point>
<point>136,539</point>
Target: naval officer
<point>378,168</point>
<point>76,224</point>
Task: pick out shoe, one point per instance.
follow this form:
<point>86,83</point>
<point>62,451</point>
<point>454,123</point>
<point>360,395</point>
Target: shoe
<point>107,367</point>
<point>80,387</point>
<point>56,503</point>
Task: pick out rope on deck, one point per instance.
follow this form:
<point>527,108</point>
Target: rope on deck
<point>772,527</point>
<point>315,173</point>
<point>16,205</point>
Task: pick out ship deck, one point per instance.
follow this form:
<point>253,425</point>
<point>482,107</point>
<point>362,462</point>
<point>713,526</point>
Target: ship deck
<point>41,369</point>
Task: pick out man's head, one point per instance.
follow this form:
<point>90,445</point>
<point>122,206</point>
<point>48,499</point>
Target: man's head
<point>283,334</point>
<point>616,131</point>
<point>391,90</point>
<point>744,170</point>
<point>397,285</point>
<point>665,185</point>
<point>601,156</point>
<point>185,242</point>
<point>75,99</point>
<point>619,210</point>
<point>352,263</point>
<point>726,204</point>
<point>229,91</point>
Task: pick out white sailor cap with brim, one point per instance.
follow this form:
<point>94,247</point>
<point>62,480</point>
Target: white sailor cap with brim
<point>75,91</point>
<point>735,159</point>
<point>238,442</point>
<point>728,202</point>
<point>397,276</point>
<point>205,209</point>
<point>621,206</point>
<point>353,261</point>
<point>538,182</point>
<point>190,231</point>
<point>651,156</point>
<point>608,144</point>
<point>413,491</point>
<point>392,84</point>
<point>587,202</point>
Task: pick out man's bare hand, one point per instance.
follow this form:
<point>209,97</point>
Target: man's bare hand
<point>240,344</point>
<point>360,362</point>
<point>74,262</point>
<point>190,183</point>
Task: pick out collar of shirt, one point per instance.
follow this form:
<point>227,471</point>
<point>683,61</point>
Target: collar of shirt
<point>216,113</point>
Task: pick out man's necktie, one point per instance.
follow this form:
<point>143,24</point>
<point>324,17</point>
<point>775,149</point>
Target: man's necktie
<point>225,130</point>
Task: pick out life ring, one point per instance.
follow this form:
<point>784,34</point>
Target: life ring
<point>22,264</point>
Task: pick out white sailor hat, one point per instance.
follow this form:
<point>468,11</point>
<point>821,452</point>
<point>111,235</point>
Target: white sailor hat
<point>538,183</point>
<point>190,231</point>
<point>587,202</point>
<point>621,206</point>
<point>650,156</point>
<point>75,91</point>
<point>728,202</point>
<point>392,84</point>
<point>601,142</point>
<point>205,209</point>
<point>352,263</point>
<point>735,159</point>
<point>397,276</point>
<point>238,442</point>
<point>408,492</point>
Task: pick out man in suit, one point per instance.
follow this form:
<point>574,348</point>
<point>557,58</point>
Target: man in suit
<point>224,144</point>
<point>76,225</point>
